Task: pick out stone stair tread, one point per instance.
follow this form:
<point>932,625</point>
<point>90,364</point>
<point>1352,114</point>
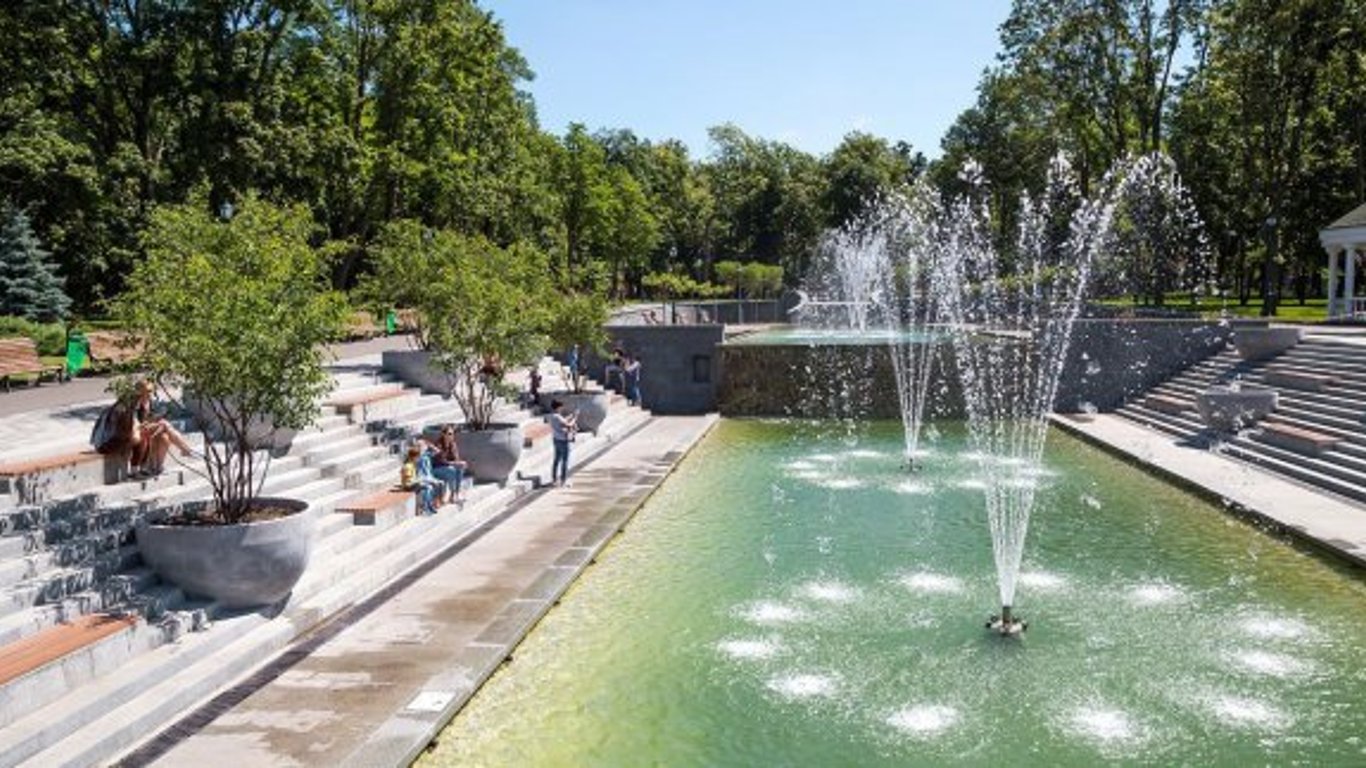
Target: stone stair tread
<point>76,730</point>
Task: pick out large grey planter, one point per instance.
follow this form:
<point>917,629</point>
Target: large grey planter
<point>1229,410</point>
<point>414,368</point>
<point>591,407</point>
<point>492,453</point>
<point>1262,343</point>
<point>262,434</point>
<point>240,566</point>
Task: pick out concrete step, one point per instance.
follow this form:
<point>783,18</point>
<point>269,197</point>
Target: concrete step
<point>37,617</point>
<point>157,687</point>
<point>378,472</point>
<point>1298,470</point>
<point>280,473</point>
<point>327,452</point>
<point>312,438</point>
<point>1331,463</point>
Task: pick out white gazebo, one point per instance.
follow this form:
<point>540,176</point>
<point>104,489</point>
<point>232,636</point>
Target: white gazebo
<point>1345,241</point>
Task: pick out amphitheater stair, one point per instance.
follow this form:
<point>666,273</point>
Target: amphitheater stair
<point>1316,435</point>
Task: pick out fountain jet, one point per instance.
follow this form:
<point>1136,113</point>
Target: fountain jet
<point>1011,316</point>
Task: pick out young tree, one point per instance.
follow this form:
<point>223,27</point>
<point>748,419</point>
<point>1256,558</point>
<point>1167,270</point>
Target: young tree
<point>236,314</point>
<point>29,285</point>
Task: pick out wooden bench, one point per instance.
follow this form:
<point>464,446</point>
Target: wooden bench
<point>1293,379</point>
<point>1298,439</point>
<point>35,480</point>
<point>367,510</point>
<point>531,433</point>
<point>113,347</point>
<point>24,656</point>
<point>1166,404</point>
<point>372,403</point>
<point>19,355</point>
<point>362,325</point>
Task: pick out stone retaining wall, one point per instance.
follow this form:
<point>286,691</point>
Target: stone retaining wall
<point>1109,361</point>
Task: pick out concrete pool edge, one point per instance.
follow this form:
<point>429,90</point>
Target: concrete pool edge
<point>1326,523</point>
<point>401,740</point>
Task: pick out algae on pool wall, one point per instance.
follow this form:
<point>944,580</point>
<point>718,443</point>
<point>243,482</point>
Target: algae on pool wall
<point>791,596</point>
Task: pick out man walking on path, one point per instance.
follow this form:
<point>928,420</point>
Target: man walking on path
<point>561,432</point>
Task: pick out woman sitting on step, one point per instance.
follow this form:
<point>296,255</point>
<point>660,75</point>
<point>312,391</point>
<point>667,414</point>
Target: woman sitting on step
<point>447,465</point>
<point>152,435</point>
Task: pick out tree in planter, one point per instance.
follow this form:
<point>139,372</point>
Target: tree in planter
<point>480,308</point>
<point>237,313</point>
<point>579,318</point>
<point>487,310</point>
<point>29,285</point>
<point>406,256</point>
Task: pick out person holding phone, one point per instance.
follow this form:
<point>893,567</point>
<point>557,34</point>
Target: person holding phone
<point>562,428</point>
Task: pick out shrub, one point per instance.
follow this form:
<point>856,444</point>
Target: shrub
<point>50,338</point>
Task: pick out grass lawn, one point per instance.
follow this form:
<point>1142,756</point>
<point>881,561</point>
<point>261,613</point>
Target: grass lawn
<point>1288,311</point>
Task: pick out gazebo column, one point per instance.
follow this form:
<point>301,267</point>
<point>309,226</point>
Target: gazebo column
<point>1332,281</point>
<point>1350,294</point>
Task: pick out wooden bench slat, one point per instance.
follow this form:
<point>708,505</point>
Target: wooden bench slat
<point>23,656</point>
<point>376,501</point>
<point>1298,439</point>
<point>366,398</point>
<point>44,463</point>
<point>113,347</point>
<point>367,509</point>
<point>20,355</point>
<point>533,432</point>
<point>1166,404</point>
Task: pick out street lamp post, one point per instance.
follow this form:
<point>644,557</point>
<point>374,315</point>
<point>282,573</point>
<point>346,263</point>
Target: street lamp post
<point>1271,283</point>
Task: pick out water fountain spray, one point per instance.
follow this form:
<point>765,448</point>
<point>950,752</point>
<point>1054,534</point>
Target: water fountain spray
<point>1011,316</point>
<point>910,307</point>
<point>882,266</point>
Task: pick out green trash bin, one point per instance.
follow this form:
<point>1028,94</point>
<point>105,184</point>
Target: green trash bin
<point>391,322</point>
<point>77,353</point>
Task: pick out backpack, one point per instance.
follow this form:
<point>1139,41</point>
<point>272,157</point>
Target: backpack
<point>111,432</point>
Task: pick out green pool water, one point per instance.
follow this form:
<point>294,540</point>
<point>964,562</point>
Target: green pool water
<point>792,597</point>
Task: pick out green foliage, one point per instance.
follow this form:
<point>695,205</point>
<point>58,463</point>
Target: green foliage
<point>49,338</point>
<point>752,280</point>
<point>481,307</point>
<point>1266,119</point>
<point>579,319</point>
<point>670,286</point>
<point>768,197</point>
<point>863,170</point>
<point>29,285</point>
<point>237,313</point>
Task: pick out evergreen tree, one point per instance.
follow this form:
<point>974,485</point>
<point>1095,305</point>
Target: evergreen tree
<point>29,285</point>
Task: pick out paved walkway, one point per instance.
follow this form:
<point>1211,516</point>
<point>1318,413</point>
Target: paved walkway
<point>57,418</point>
<point>1320,519</point>
<point>376,687</point>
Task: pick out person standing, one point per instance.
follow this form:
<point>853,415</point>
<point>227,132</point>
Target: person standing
<point>631,377</point>
<point>534,388</point>
<point>613,367</point>
<point>561,433</point>
<point>572,363</point>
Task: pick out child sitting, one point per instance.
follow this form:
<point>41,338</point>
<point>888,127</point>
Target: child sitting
<point>416,476</point>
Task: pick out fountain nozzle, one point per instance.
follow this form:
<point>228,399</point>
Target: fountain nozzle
<point>1006,624</point>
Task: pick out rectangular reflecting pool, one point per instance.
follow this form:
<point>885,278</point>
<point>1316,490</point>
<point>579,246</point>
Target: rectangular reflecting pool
<point>792,596</point>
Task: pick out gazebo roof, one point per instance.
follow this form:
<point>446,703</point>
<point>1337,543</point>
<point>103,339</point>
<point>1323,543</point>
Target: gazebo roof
<point>1356,218</point>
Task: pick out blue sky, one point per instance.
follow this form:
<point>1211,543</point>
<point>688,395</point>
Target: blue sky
<point>801,71</point>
